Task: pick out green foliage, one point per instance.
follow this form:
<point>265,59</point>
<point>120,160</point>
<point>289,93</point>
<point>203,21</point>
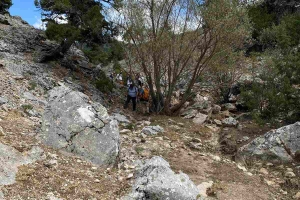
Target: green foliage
<point>97,54</point>
<point>117,68</point>
<point>59,32</point>
<point>5,5</point>
<point>277,96</point>
<point>138,149</point>
<point>130,126</point>
<point>27,107</point>
<point>261,18</point>
<point>104,53</point>
<point>32,85</point>
<point>83,22</point>
<point>103,83</point>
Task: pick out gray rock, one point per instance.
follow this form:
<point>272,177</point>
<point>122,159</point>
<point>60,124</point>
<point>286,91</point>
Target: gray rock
<point>2,195</point>
<point>200,118</point>
<point>201,105</point>
<point>72,124</point>
<point>2,133</point>
<point>3,100</point>
<point>230,122</point>
<point>11,159</point>
<point>188,114</point>
<point>204,186</point>
<point>276,145</point>
<point>31,97</point>
<point>230,107</point>
<point>216,109</point>
<point>217,122</point>
<point>155,180</point>
<point>120,118</point>
<point>152,130</point>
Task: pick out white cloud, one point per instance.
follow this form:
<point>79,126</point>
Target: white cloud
<point>60,19</point>
<point>39,24</point>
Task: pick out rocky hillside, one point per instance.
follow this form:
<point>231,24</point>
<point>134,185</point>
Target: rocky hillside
<point>60,138</point>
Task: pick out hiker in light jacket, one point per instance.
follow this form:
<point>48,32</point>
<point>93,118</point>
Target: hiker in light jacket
<point>132,93</point>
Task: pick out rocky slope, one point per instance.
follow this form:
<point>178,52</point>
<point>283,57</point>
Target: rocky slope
<point>60,139</point>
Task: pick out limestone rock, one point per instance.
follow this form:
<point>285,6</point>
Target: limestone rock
<point>155,180</point>
<point>216,109</point>
<point>152,130</point>
<point>217,122</point>
<point>11,159</point>
<point>2,133</point>
<point>72,124</point>
<point>3,100</point>
<point>120,118</point>
<point>200,118</point>
<point>188,114</point>
<point>275,144</point>
<point>31,97</point>
<point>230,107</point>
<point>203,187</point>
<point>289,174</point>
<point>230,122</point>
<point>297,196</point>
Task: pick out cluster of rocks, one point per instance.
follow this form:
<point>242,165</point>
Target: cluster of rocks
<point>202,110</point>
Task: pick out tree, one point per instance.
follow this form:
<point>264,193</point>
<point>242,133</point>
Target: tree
<point>75,20</point>
<point>174,41</point>
<point>5,5</point>
<point>277,97</point>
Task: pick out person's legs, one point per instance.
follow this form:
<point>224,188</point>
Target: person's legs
<point>133,103</point>
<point>127,102</point>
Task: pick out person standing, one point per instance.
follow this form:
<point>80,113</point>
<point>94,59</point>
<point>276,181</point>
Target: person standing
<point>129,81</point>
<point>132,93</point>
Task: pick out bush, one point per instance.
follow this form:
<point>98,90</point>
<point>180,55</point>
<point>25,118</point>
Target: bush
<point>103,83</point>
<point>32,85</point>
<point>105,53</point>
<point>276,97</point>
<point>27,107</point>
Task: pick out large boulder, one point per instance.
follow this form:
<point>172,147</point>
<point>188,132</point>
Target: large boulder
<point>276,145</point>
<point>73,124</point>
<point>155,180</point>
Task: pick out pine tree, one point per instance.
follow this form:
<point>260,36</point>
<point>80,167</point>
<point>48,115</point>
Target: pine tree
<point>75,20</point>
<point>5,5</point>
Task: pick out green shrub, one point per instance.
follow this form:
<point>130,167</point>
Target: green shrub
<point>275,98</point>
<point>32,85</point>
<point>117,67</point>
<point>103,83</point>
<point>27,107</point>
<point>130,126</point>
<point>139,149</point>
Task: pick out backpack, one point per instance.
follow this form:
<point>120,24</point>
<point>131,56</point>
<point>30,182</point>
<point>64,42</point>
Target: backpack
<point>140,92</point>
<point>132,92</point>
<point>145,95</point>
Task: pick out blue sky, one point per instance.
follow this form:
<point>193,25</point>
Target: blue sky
<point>26,10</point>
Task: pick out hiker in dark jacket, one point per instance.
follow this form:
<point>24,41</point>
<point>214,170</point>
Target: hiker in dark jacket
<point>132,93</point>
